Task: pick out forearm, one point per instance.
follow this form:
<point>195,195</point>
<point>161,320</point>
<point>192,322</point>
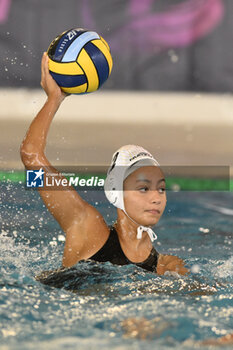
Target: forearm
<point>33,145</point>
<point>35,140</point>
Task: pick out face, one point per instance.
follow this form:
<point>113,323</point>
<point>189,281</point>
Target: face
<point>145,195</point>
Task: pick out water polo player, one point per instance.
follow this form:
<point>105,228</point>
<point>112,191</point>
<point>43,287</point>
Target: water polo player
<point>135,184</point>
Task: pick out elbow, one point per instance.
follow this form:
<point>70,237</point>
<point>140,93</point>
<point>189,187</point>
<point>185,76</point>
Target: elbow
<point>29,155</point>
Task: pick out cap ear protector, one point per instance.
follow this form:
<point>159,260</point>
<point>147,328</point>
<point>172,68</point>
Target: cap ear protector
<point>113,185</point>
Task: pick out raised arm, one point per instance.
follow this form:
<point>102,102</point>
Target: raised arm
<point>33,145</point>
<point>85,228</point>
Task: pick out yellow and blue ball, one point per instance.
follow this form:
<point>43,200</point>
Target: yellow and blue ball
<point>80,61</point>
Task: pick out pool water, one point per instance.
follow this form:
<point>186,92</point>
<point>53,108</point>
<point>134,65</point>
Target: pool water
<point>97,303</point>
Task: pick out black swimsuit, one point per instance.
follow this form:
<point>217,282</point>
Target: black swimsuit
<point>111,251</point>
<point>71,277</point>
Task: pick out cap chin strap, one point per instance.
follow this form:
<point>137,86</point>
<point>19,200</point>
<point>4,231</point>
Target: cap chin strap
<point>141,229</point>
<point>150,232</point>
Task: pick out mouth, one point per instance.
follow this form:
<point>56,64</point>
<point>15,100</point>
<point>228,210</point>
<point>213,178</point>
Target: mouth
<point>153,211</point>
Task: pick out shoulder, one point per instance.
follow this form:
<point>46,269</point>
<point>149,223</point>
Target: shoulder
<point>85,236</point>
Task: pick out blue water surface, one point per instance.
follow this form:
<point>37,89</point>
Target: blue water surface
<point>103,306</point>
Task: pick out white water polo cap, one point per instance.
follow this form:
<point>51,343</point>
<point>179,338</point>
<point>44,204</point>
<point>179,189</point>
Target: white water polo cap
<point>125,161</point>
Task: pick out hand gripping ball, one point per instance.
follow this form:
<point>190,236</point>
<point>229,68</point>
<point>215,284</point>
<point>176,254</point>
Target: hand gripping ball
<point>79,61</point>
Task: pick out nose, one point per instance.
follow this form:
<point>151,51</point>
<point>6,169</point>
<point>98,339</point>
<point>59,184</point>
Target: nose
<point>155,197</point>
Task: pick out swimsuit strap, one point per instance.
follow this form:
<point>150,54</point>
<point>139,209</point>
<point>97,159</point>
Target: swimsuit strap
<point>149,264</point>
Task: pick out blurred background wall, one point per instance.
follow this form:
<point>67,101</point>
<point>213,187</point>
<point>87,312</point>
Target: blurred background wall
<point>176,54</point>
<point>165,45</point>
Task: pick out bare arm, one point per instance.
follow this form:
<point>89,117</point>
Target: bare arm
<point>85,228</point>
<point>170,263</point>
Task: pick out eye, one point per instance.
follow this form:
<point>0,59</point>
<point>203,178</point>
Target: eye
<point>162,190</point>
<point>144,189</point>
